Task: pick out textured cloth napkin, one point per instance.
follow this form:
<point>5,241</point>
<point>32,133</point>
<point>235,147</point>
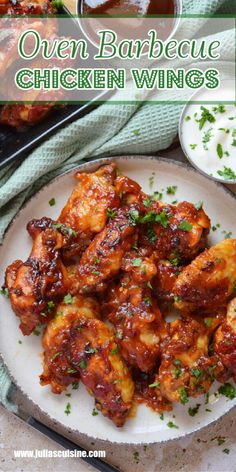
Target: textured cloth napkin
<point>106,131</point>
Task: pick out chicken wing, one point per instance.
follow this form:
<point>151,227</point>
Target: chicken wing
<point>78,345</point>
<point>225,340</point>
<point>165,279</point>
<point>34,285</point>
<point>174,231</point>
<point>186,368</point>
<point>88,206</point>
<point>209,281</point>
<point>102,259</point>
<point>133,311</point>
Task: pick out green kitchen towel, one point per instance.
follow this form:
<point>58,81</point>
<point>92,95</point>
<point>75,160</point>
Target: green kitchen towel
<point>108,130</point>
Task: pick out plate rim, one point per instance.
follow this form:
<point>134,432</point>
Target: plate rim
<point>91,165</point>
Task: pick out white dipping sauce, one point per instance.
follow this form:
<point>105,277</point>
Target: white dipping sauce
<point>208,133</point>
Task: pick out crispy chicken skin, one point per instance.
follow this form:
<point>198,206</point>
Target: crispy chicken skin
<point>136,316</point>
<point>42,278</point>
<point>186,369</point>
<point>175,231</point>
<point>86,209</point>
<point>165,279</point>
<point>225,339</point>
<point>79,345</point>
<point>102,259</point>
<point>209,281</point>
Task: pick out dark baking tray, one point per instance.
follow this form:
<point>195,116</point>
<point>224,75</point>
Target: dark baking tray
<point>14,144</point>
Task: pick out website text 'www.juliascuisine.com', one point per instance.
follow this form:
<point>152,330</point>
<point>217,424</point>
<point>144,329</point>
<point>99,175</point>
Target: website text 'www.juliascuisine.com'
<point>65,453</point>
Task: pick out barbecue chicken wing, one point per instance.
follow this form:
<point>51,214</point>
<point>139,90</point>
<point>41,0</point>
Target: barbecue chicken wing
<point>102,259</point>
<point>79,345</point>
<point>133,311</point>
<point>186,369</point>
<point>174,232</point>
<point>225,340</point>
<point>34,284</point>
<point>88,206</point>
<point>209,281</point>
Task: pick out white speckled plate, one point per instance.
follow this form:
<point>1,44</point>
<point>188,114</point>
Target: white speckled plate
<point>24,361</point>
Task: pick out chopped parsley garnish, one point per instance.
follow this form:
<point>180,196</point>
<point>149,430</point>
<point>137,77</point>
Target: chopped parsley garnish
<point>157,196</point>
<point>83,364</point>
<point>228,235</point>
<point>55,356</point>
<point>91,350</point>
<point>75,385</point>
<point>137,262</point>
<point>147,301</point>
<point>111,213</point>
<point>36,332</point>
<point>227,173</point>
<point>177,362</point>
<point>71,371</point>
<point>177,372</point>
<point>19,342</point>
<point>134,216</point>
<point>193,411</point>
<point>4,291</point>
<point>226,450</point>
<point>228,391</point>
<point>233,143</point>
<point>153,217</point>
<point>188,118</point>
<point>50,305</point>
<point>183,396</point>
<point>161,416</point>
<point>175,261</point>
<point>52,202</point>
<point>68,299</point>
<point>68,409</point>
<point>197,372</point>
<point>170,424</point>
<point>226,130</point>
<point>114,351</point>
<point>185,226</point>
<point>155,385</point>
<point>151,180</point>
<point>177,299</point>
<point>171,190</point>
<point>206,138</point>
<point>65,229</point>
<point>136,456</point>
<point>219,150</point>
<point>205,116</point>
<point>95,272</point>
<point>151,235</point>
<point>94,412</point>
<point>199,205</point>
<point>219,109</point>
<point>193,146</point>
<point>96,260</point>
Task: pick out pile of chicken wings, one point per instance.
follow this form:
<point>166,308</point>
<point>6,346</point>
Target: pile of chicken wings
<point>102,279</point>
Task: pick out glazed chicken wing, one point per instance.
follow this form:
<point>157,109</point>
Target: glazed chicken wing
<point>186,368</point>
<point>87,207</point>
<point>39,280</point>
<point>174,231</point>
<point>225,339</point>
<point>135,314</point>
<point>102,259</point>
<point>209,281</point>
<point>79,345</point>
